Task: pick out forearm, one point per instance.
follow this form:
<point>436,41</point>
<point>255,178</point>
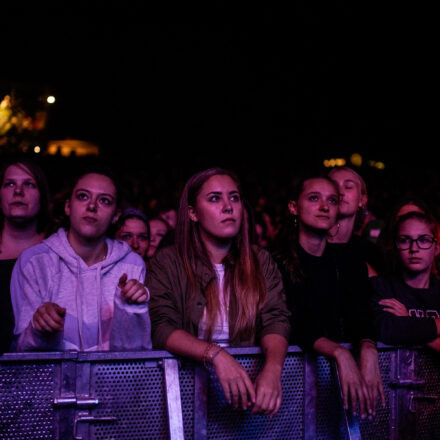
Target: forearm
<point>33,340</point>
<point>329,348</point>
<point>275,349</point>
<point>368,353</point>
<point>184,344</point>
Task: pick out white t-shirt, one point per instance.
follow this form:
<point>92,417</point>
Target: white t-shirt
<point>220,334</point>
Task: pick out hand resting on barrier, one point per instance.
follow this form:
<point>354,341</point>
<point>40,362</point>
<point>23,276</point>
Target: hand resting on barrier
<point>264,397</point>
<point>369,368</point>
<point>237,387</point>
<point>360,385</point>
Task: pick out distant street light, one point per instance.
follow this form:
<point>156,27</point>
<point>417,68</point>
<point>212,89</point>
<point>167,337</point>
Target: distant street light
<point>50,99</point>
<point>37,149</point>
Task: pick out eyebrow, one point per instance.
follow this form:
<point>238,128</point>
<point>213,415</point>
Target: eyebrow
<point>25,179</point>
<point>421,235</point>
<point>101,194</point>
<point>221,192</point>
<point>321,194</point>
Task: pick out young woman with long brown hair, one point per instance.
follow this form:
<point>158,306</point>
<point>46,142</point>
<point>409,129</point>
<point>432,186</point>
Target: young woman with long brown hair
<point>328,292</point>
<point>213,289</point>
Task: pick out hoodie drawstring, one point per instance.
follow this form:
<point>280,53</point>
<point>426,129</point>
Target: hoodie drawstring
<point>78,307</point>
<point>99,303</point>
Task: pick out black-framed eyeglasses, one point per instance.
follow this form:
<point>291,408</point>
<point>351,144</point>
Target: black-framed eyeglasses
<point>404,242</point>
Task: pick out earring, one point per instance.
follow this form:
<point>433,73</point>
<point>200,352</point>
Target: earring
<point>295,221</point>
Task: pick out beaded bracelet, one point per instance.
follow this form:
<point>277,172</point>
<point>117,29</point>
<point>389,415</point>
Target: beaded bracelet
<point>209,359</point>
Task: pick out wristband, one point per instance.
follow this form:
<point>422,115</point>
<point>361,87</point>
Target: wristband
<point>207,359</point>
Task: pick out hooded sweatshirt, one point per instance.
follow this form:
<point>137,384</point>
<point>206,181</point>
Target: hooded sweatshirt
<point>97,318</point>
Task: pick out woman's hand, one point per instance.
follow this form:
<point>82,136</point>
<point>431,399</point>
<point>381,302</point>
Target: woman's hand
<point>353,385</point>
<point>393,306</point>
<point>268,392</point>
<point>369,368</point>
<point>237,387</point>
<point>132,291</point>
<point>49,317</point>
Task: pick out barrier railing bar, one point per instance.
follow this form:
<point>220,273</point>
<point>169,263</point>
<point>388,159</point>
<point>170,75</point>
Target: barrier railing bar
<point>174,403</point>
<point>201,379</point>
<point>310,397</point>
<point>351,422</point>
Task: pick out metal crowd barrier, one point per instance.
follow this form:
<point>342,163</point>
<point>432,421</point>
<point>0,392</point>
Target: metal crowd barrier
<point>154,395</point>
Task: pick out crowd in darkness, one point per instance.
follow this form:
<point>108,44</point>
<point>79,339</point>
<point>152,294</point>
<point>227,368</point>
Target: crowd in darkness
<point>153,181</point>
<point>248,254</point>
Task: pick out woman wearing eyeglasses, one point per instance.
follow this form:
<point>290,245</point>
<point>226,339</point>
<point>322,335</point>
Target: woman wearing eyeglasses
<point>407,302</point>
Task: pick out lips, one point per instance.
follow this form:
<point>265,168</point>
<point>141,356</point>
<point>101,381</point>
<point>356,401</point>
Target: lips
<point>90,220</point>
<point>17,204</point>
<point>228,220</point>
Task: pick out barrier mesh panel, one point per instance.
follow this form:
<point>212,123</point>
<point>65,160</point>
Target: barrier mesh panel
<point>26,397</point>
<point>428,407</point>
<point>134,392</point>
<point>329,409</point>
<point>226,423</point>
<point>186,379</point>
<point>379,427</point>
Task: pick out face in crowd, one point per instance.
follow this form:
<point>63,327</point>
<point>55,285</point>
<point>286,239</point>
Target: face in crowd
<point>158,230</point>
<point>417,245</point>
<point>134,232</point>
<point>218,209</point>
<point>352,193</point>
<point>317,205</point>
<point>170,217</point>
<point>92,207</point>
<point>19,194</point>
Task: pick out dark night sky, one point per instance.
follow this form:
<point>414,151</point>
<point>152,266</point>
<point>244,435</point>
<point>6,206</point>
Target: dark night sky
<point>309,81</point>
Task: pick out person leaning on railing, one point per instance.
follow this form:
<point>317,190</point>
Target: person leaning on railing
<point>213,289</point>
<point>327,291</point>
<point>79,289</point>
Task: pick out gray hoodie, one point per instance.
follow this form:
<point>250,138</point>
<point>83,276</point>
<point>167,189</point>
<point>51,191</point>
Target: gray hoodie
<point>97,318</point>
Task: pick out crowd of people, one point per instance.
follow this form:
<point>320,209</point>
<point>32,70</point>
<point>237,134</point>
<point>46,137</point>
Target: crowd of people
<point>87,269</point>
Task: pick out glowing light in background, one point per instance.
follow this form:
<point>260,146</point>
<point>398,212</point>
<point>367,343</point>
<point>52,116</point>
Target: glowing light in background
<point>356,159</point>
<point>376,164</point>
<point>50,99</point>
<point>338,162</point>
<point>37,149</point>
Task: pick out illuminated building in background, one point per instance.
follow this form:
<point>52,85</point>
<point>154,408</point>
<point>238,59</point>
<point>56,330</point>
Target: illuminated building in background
<point>72,147</point>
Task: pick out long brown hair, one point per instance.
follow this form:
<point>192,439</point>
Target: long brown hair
<point>243,278</point>
<point>286,248</point>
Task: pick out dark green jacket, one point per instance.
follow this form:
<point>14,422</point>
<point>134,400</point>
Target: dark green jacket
<point>172,307</point>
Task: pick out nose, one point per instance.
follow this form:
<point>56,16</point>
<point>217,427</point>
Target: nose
<point>134,243</point>
<point>18,190</point>
<point>92,205</point>
<point>153,240</point>
<point>227,206</point>
<point>413,247</point>
<point>324,206</point>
